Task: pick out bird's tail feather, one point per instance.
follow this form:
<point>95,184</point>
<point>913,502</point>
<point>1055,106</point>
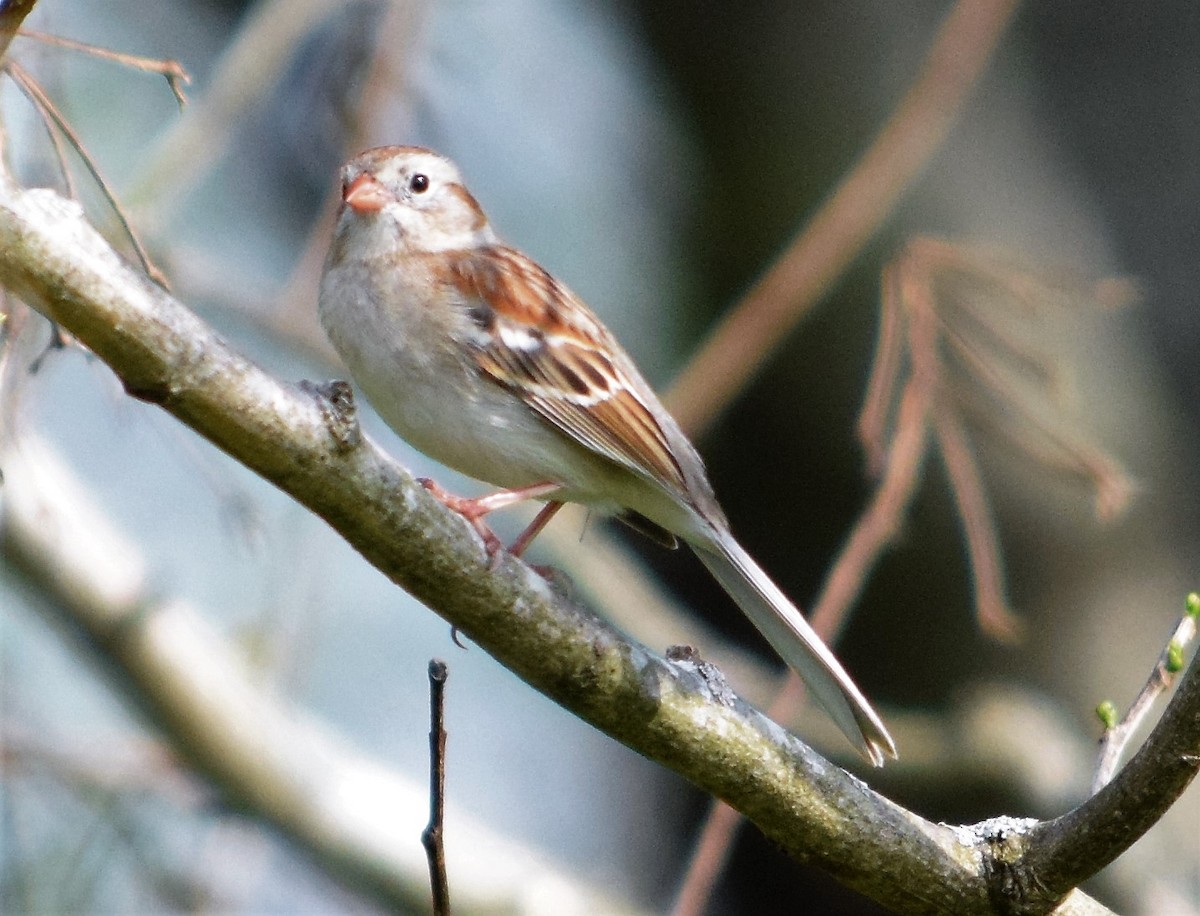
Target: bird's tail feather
<point>797,644</point>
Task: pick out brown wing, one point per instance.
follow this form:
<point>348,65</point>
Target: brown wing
<point>539,340</point>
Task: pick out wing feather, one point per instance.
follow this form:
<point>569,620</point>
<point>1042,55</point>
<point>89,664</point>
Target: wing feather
<point>538,339</point>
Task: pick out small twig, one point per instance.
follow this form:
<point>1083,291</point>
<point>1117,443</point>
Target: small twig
<point>885,372</point>
<point>60,151</point>
<point>431,837</point>
<point>979,528</point>
<point>1063,454</point>
<point>172,70</point>
<point>1069,849</point>
<point>903,460</point>
<point>1170,663</point>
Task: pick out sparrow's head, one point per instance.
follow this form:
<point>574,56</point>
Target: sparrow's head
<point>410,199</point>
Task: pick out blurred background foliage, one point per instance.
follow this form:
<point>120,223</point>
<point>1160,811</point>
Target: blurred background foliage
<point>657,156</point>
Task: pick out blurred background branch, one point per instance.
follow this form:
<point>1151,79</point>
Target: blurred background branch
<point>795,283</point>
<point>359,819</point>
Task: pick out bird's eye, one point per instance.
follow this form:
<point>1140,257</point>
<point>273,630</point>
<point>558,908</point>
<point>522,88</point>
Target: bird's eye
<point>419,183</point>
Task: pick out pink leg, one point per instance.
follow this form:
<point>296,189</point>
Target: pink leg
<point>473,510</point>
<point>539,522</point>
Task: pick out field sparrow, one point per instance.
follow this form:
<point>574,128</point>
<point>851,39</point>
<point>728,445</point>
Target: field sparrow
<point>479,358</point>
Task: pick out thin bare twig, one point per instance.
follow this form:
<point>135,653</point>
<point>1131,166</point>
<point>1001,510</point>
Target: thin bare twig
<point>1067,850</point>
<point>993,367</point>
<point>1170,661</point>
<point>60,151</point>
<point>904,456</point>
<point>432,837</point>
<point>885,372</point>
<point>713,847</point>
<point>172,70</point>
<point>983,547</point>
<point>970,322</point>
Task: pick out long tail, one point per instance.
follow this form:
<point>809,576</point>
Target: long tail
<point>797,644</point>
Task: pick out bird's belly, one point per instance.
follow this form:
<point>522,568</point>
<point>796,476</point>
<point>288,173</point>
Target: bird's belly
<point>473,431</point>
<point>442,404</point>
